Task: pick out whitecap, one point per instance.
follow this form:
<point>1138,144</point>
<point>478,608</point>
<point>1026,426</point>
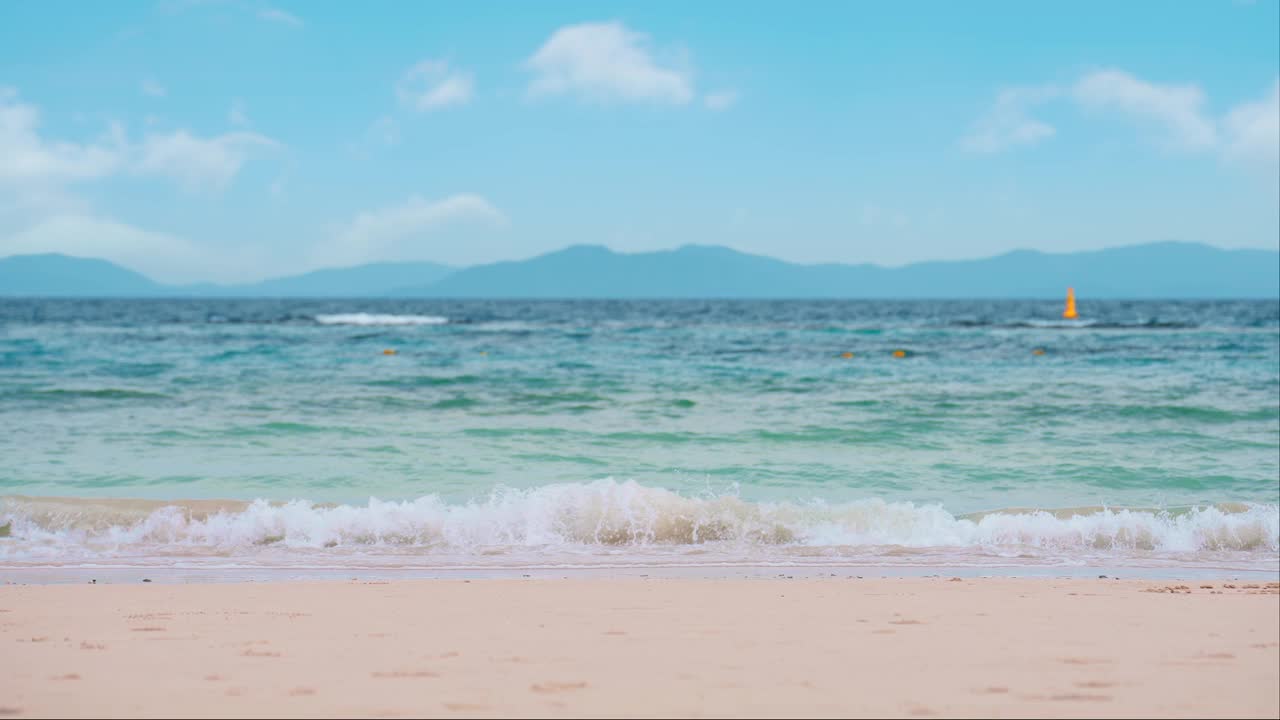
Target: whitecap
<point>607,514</point>
<point>380,319</point>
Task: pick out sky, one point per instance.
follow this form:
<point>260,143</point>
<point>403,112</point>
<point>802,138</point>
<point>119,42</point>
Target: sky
<point>232,140</point>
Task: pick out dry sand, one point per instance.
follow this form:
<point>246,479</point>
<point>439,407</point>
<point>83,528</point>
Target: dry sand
<point>584,647</point>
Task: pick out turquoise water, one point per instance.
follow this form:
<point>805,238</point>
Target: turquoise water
<point>631,432</point>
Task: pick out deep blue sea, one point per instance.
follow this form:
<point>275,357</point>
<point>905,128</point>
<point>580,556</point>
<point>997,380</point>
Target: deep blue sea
<point>404,433</point>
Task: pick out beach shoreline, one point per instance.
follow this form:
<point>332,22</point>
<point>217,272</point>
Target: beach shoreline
<point>636,646</point>
<point>234,572</point>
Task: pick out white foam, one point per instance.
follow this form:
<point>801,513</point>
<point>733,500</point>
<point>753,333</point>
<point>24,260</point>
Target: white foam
<point>614,516</point>
<point>378,319</point>
<point>1061,323</point>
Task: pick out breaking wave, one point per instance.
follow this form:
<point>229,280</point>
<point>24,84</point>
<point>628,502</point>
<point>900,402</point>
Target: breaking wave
<point>614,516</point>
<point>378,319</point>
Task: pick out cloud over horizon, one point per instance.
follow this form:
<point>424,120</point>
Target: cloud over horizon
<point>158,255</point>
<point>195,162</point>
<point>383,233</point>
<point>1252,129</point>
<point>225,123</point>
<point>199,163</point>
<point>1008,124</point>
<point>1176,111</point>
<point>29,158</point>
<point>606,62</point>
<point>1174,115</point>
<point>47,215</point>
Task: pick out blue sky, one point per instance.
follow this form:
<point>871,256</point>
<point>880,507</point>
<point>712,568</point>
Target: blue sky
<point>232,140</point>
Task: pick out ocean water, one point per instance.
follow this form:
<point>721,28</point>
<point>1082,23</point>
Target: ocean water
<point>510,434</point>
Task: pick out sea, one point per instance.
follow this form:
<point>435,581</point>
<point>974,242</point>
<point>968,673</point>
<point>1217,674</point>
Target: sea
<point>365,436</point>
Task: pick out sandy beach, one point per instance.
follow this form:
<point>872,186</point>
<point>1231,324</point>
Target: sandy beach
<point>635,647</point>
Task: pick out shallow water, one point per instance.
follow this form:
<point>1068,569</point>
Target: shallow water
<point>621,433</point>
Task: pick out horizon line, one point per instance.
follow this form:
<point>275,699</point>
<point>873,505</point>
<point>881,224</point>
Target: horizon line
<point>626,253</point>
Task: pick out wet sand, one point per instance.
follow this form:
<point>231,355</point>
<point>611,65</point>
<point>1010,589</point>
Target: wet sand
<point>916,647</point>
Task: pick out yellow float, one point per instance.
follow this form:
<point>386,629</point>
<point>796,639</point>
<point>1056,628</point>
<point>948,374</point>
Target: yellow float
<point>1070,312</point>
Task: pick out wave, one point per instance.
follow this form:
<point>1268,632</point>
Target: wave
<point>380,319</point>
<point>87,394</point>
<point>1090,324</point>
<point>1101,325</point>
<point>616,515</point>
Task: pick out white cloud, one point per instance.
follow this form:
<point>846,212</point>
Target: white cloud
<point>432,85</point>
<point>1252,130</point>
<point>198,162</point>
<point>1249,131</point>
<point>39,214</point>
<point>605,62</point>
<point>157,255</point>
<point>377,234</point>
<point>1009,124</point>
<point>721,100</point>
<point>152,88</point>
<point>392,233</point>
<point>161,256</point>
<point>25,157</point>
<point>280,16</point>
<point>1178,109</point>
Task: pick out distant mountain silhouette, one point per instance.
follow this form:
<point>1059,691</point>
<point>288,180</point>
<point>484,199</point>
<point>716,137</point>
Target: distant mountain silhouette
<point>65,276</point>
<point>361,281</point>
<point>1156,270</point>
<point>62,275</point>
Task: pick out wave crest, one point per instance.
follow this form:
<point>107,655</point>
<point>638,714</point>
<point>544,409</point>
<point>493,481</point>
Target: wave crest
<point>609,514</point>
<point>380,319</point>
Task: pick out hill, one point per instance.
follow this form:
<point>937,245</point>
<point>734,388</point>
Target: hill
<point>1156,270</point>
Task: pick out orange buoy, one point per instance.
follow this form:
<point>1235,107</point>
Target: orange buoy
<point>1038,351</point>
<point>1070,312</point>
<point>389,351</point>
<point>899,353</point>
<point>846,355</point>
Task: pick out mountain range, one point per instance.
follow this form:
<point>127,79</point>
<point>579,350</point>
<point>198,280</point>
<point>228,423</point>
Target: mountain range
<point>1155,270</point>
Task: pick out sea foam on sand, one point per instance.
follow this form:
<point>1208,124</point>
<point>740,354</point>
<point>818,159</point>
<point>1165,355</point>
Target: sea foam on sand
<point>617,518</point>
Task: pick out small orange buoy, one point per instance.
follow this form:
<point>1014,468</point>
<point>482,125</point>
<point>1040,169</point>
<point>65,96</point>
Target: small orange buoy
<point>389,351</point>
<point>1070,312</point>
<point>1038,351</point>
<point>899,353</point>
<point>846,355</point>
